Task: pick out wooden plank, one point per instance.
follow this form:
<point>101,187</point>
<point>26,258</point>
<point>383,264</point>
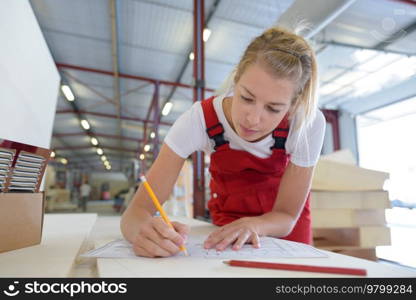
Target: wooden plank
<point>346,217</point>
<point>374,236</point>
<point>334,176</point>
<point>365,253</point>
<point>364,237</point>
<point>325,237</point>
<point>180,200</point>
<point>351,199</point>
<point>343,156</point>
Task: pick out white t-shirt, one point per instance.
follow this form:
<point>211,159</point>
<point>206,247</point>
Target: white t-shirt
<point>85,190</point>
<point>188,134</point>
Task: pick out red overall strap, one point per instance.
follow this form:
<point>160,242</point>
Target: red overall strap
<point>280,134</point>
<point>210,116</point>
<point>211,119</point>
<point>215,130</point>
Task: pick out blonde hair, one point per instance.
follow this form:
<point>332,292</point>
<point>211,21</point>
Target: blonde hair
<point>285,55</point>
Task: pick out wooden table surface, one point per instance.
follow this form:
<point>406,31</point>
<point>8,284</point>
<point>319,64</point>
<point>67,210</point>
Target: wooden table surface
<point>107,229</point>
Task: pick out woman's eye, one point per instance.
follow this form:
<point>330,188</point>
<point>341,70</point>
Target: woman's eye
<point>273,110</point>
<point>246,99</point>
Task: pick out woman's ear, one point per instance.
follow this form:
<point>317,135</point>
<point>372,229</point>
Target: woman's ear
<point>293,106</point>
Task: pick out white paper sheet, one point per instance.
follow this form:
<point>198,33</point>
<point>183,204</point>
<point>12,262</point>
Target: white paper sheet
<point>270,248</point>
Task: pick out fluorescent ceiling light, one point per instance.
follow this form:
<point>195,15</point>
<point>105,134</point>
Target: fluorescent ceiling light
<point>103,158</point>
<point>94,141</point>
<point>152,135</point>
<point>142,156</point>
<point>64,161</point>
<point>191,56</point>
<point>167,108</point>
<point>100,151</point>
<point>53,154</point>
<point>85,124</point>
<point>147,148</point>
<point>67,92</point>
<point>206,34</point>
<point>108,167</point>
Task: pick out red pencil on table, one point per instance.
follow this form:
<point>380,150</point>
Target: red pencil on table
<point>290,267</point>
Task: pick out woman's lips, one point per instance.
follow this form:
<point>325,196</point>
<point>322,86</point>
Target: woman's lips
<point>247,131</point>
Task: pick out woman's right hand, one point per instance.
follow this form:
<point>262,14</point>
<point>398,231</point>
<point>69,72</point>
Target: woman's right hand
<point>155,238</point>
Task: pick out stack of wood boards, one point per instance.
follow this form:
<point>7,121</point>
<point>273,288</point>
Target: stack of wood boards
<point>59,199</point>
<point>348,207</point>
<point>180,201</point>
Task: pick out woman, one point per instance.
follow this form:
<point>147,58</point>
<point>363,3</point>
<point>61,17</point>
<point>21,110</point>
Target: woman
<point>264,134</point>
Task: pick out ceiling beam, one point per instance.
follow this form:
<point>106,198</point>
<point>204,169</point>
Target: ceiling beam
<point>104,115</point>
<point>395,94</point>
<point>396,36</point>
<point>109,136</point>
<point>115,62</point>
<point>318,15</point>
<point>186,63</point>
<point>108,155</point>
<point>72,148</point>
<point>338,44</point>
<point>60,65</point>
<point>86,162</point>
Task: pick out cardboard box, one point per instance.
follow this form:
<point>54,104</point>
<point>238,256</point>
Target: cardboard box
<point>21,220</point>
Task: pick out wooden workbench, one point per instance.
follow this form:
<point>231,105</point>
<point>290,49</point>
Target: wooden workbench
<point>107,229</point>
<point>66,236</point>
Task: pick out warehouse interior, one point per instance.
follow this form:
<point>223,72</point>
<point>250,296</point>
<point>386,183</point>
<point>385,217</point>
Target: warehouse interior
<point>100,83</point>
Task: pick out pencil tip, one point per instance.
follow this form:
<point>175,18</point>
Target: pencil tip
<point>225,262</point>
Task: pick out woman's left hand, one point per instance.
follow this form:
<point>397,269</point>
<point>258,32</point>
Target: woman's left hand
<point>237,233</point>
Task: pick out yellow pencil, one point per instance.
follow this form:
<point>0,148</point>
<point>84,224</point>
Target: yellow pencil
<point>159,208</point>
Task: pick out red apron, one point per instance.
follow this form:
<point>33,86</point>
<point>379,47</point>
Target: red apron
<point>244,185</point>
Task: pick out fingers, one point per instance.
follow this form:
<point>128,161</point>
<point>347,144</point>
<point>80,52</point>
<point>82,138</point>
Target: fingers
<point>182,229</point>
<point>255,240</point>
<point>221,238</point>
<point>157,239</point>
<point>149,248</point>
<point>140,251</point>
<point>162,241</point>
<point>242,239</point>
<point>213,238</point>
<point>228,240</point>
<point>168,232</point>
<point>237,233</point>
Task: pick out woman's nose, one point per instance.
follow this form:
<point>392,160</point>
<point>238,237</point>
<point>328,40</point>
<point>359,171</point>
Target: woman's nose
<point>254,117</point>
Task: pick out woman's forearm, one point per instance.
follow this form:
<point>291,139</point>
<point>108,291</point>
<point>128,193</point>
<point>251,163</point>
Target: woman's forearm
<point>290,200</point>
<point>162,177</point>
<point>277,224</point>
